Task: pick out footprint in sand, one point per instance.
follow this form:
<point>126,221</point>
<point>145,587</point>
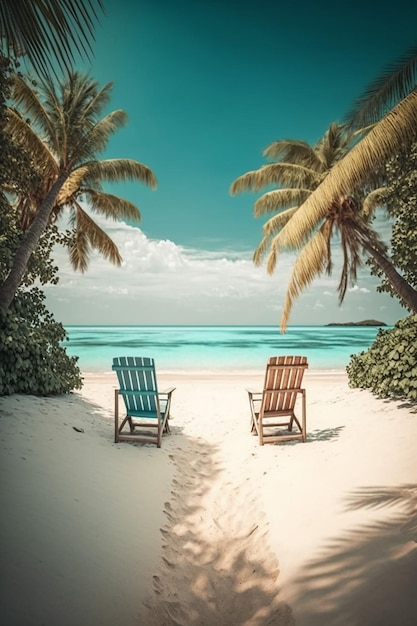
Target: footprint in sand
<point>216,566</point>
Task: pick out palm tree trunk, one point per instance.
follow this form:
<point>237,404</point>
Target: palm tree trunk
<point>402,288</point>
<point>28,244</point>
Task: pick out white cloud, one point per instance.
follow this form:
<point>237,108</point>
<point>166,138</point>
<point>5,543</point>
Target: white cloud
<point>357,289</point>
<point>160,282</point>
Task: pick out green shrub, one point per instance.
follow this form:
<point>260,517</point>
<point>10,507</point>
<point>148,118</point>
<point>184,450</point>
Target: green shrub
<point>389,367</point>
<point>32,357</point>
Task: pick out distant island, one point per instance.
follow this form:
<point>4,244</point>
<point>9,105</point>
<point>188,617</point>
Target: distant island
<point>363,323</point>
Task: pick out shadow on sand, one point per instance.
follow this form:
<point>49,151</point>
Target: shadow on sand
<point>325,434</point>
<point>216,568</point>
<point>368,576</point>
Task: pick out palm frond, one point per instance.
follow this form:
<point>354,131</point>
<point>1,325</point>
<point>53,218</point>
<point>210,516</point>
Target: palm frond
<point>277,222</point>
<point>71,186</point>
<point>291,151</point>
<point>279,199</point>
<point>95,99</point>
<point>333,145</point>
<point>352,260</point>
<point>397,129</point>
<point>291,236</point>
<point>25,135</point>
<point>45,31</point>
<point>80,96</point>
<point>357,236</point>
<point>112,206</point>
<point>26,208</point>
<point>26,98</point>
<point>97,138</point>
<point>310,263</point>
<point>74,106</point>
<point>374,200</point>
<point>270,229</point>
<point>119,170</point>
<point>261,251</point>
<point>285,174</point>
<point>79,251</point>
<point>89,236</point>
<point>360,132</point>
<point>395,84</point>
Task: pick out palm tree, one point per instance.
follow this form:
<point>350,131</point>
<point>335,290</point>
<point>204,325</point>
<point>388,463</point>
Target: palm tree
<point>45,31</point>
<point>390,104</point>
<point>63,134</point>
<point>301,170</point>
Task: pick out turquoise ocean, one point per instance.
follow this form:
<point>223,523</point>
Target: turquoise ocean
<point>216,348</point>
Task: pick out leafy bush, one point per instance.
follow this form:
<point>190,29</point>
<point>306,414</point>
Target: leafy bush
<point>389,367</point>
<point>32,357</point>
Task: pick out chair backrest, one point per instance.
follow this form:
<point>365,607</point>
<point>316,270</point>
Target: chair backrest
<point>283,379</point>
<point>138,385</point>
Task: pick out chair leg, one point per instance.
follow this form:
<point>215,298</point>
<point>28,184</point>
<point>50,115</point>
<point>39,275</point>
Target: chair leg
<point>116,416</point>
<point>260,429</point>
<point>304,419</point>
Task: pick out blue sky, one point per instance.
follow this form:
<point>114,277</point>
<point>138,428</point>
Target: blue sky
<point>207,86</point>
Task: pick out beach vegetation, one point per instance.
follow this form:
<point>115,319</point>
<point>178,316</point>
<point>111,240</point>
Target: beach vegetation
<point>58,124</point>
<point>47,34</point>
<point>389,367</point>
<point>33,359</point>
<point>401,201</point>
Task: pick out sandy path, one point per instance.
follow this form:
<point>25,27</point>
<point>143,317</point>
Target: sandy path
<point>216,560</point>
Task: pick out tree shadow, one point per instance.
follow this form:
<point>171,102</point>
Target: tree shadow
<point>367,576</point>
<point>411,405</point>
<point>325,434</point>
<point>216,566</point>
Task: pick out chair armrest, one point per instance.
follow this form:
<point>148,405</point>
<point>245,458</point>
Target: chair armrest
<point>167,392</point>
<point>254,392</point>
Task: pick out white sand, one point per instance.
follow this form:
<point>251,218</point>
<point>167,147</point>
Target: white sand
<point>211,529</point>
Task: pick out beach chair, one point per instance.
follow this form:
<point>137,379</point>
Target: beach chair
<point>273,409</point>
<point>147,409</point>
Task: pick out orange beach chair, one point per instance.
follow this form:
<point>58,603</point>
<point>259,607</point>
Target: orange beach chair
<point>273,409</point>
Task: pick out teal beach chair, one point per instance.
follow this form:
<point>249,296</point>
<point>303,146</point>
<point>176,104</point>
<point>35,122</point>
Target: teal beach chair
<point>147,409</point>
